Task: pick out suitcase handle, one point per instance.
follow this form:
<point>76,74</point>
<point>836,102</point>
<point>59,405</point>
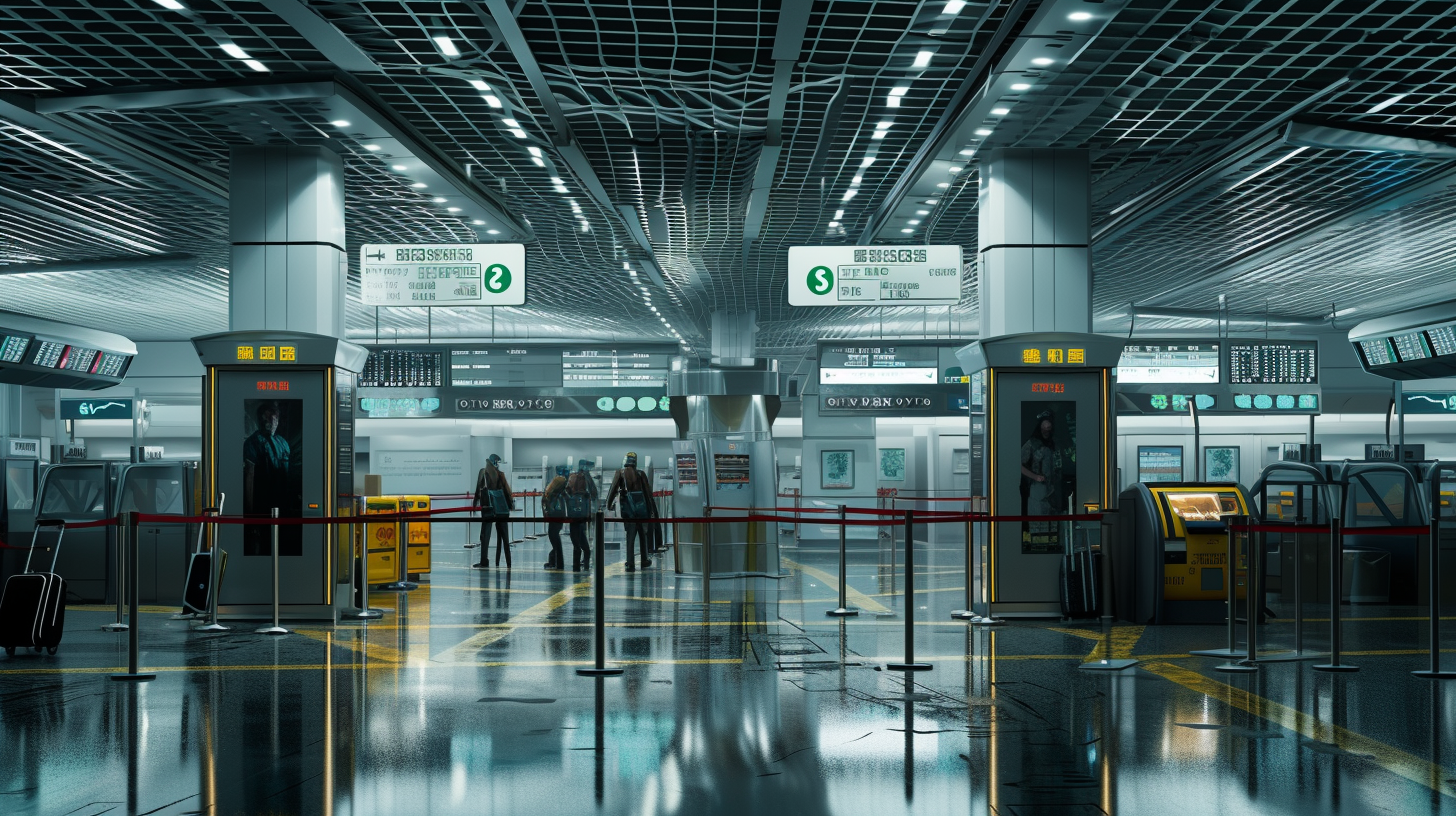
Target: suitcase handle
<point>60,526</point>
<point>50,523</point>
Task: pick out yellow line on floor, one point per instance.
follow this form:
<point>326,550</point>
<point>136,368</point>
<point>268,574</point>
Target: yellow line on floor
<point>374,651</point>
<point>1114,645</point>
<point>467,650</point>
<point>495,589</point>
<point>1398,762</point>
<point>854,596</point>
<point>145,610</point>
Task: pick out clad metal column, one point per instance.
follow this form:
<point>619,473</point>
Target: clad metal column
<point>1035,270</point>
<point>287,227</point>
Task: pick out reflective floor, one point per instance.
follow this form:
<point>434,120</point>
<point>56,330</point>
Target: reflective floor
<point>464,699</point>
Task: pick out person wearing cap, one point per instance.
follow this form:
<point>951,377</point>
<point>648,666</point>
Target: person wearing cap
<point>493,497</point>
<point>631,484</point>
<point>581,493</point>
<point>553,505</point>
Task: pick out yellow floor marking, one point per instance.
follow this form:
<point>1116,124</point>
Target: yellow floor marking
<point>145,610</point>
<point>374,651</point>
<point>854,596</point>
<point>918,591</point>
<point>502,590</point>
<point>534,614</point>
<point>1401,763</point>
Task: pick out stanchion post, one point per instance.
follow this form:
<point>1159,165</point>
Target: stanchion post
<point>1434,588</point>
<point>1234,523</point>
<point>127,535</point>
<point>909,601</point>
<point>1337,582</point>
<point>403,583</point>
<point>599,612</point>
<point>361,573</point>
<point>276,628</point>
<point>1253,605</point>
<point>119,587</point>
<point>968,613</point>
<point>214,587</point>
<point>844,610</point>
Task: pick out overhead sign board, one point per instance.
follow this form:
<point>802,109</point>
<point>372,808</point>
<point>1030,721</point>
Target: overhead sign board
<point>875,276</point>
<point>100,408</point>
<point>442,274</point>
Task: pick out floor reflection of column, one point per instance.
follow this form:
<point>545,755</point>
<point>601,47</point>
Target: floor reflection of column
<point>601,738</point>
<point>909,738</point>
<point>133,745</point>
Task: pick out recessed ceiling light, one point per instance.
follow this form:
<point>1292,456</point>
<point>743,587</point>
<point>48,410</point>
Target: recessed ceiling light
<point>943,184</point>
<point>913,221</point>
<point>848,194</point>
<point>534,151</point>
<point>1000,111</point>
<point>446,46</point>
<point>340,123</point>
<point>558,188</point>
<point>452,209</point>
<point>884,124</point>
<point>900,91</point>
<point>492,232</point>
<point>1387,103</point>
<point>518,133</point>
<point>171,4</point>
<point>1079,16</point>
<point>419,185</point>
<point>1042,61</point>
<point>983,132</point>
<point>922,212</point>
<point>953,6</point>
<point>838,214</point>
<point>932,201</point>
<point>555,180</point>
<point>867,161</point>
<point>970,151</point>
<point>479,85</point>
<point>893,102</point>
<point>922,59</point>
<point>1021,86</point>
<point>907,230</point>
<point>493,101</point>
<point>477,222</point>
<point>256,66</point>
<point>371,147</point>
<point>232,50</point>
<point>857,179</point>
<point>510,123</point>
<point>833,224</point>
<point>439,200</point>
<point>955,169</point>
<point>537,161</point>
<point>398,168</point>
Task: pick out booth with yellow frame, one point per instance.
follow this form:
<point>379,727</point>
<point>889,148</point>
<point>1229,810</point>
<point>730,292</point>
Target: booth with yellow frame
<point>1172,548</point>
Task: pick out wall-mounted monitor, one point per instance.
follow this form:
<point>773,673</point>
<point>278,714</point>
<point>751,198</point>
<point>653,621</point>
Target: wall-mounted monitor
<point>1412,346</point>
<point>1378,352</point>
<point>1179,362</point>
<point>1419,344</point>
<point>1273,362</point>
<point>892,378</point>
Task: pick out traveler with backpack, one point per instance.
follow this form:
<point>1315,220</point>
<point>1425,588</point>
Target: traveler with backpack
<point>637,505</point>
<point>581,492</point>
<point>553,506</point>
<point>493,497</point>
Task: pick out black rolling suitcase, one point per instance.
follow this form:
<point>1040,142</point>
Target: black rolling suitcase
<point>33,606</point>
<point>197,595</point>
<point>1078,580</point>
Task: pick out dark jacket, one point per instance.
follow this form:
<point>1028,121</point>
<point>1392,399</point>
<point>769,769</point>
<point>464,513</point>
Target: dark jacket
<point>630,478</point>
<point>491,478</point>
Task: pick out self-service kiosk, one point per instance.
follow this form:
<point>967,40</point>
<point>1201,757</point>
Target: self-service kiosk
<point>278,432</point>
<point>1048,448</point>
<point>1171,552</point>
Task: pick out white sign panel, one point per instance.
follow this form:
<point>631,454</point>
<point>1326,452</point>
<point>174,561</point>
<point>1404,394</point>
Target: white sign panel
<point>443,274</point>
<point>875,276</point>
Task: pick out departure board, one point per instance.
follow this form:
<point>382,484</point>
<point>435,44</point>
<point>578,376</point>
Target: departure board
<point>1443,340</point>
<point>1378,352</point>
<point>12,348</point>
<point>403,368</point>
<point>615,368</point>
<point>78,359</point>
<point>1169,362</point>
<point>548,367</point>
<point>880,365</point>
<point>111,365</point>
<point>1273,362</point>
<point>48,354</point>
<point>506,367</point>
<point>1411,346</point>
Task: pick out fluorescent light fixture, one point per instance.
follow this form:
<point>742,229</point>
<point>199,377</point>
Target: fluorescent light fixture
<point>838,214</point>
<point>1079,16</point>
<point>439,200</point>
<point>419,185</point>
<point>932,201</point>
<point>518,133</point>
<point>943,184</point>
<point>479,85</point>
<point>857,180</point>
<point>446,46</point>
<point>955,169</point>
<point>893,102</point>
<point>510,123</point>
<point>922,212</point>
<point>1042,61</point>
<point>880,134</point>
<point>371,148</point>
<point>953,7</point>
<point>983,132</point>
<point>900,91</point>
<point>492,232</point>
<point>534,151</point>
<point>632,273</point>
<point>558,188</point>
<point>1347,310</point>
<point>1000,111</point>
<point>1387,103</point>
<point>493,101</point>
<point>585,227</point>
<point>477,222</point>
<point>913,222</point>
<point>171,4</point>
<point>833,224</point>
<point>884,124</point>
<point>848,194</point>
<point>452,209</point>
<point>538,162</point>
<point>1021,86</point>
<point>232,50</point>
<point>970,151</point>
<point>1270,166</point>
<point>907,230</point>
<point>398,168</point>
<point>867,161</point>
<point>555,180</point>
<point>340,123</point>
<point>627,266</point>
<point>922,59</point>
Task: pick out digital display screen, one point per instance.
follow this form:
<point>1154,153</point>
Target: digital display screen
<point>1443,340</point>
<point>1378,352</point>
<point>79,359</point>
<point>402,368</point>
<point>1273,362</point>
<point>12,348</point>
<point>48,354</point>
<point>1169,362</point>
<point>880,365</point>
<point>1411,346</point>
<point>615,368</point>
<point>111,365</point>
<point>895,379</point>
<point>537,367</point>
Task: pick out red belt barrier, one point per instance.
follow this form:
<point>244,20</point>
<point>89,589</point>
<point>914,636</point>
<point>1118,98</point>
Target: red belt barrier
<point>1279,528</point>
<point>1393,531</point>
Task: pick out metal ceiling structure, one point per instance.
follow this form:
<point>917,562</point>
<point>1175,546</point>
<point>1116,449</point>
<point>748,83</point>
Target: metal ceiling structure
<point>1286,156</point>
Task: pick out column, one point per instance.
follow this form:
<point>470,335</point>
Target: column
<point>1035,269</point>
<point>288,264</point>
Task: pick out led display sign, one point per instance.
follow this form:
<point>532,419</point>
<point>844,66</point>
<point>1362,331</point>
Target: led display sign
<point>1171,362</point>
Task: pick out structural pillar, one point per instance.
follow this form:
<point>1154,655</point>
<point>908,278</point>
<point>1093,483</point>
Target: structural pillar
<point>1035,270</point>
<point>288,263</point>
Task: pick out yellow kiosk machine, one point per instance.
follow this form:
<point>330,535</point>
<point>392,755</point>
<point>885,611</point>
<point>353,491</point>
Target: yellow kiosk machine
<point>381,538</point>
<point>417,535</point>
<point>1173,550</point>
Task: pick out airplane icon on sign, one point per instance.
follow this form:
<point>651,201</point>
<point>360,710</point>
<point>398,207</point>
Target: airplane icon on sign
<point>377,255</point>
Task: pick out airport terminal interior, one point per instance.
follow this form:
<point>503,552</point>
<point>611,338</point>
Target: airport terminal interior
<point>987,407</point>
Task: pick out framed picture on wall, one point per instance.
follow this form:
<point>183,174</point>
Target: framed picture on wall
<point>836,469</point>
<point>1221,464</point>
<point>892,464</point>
<point>960,461</point>
<point>1160,463</point>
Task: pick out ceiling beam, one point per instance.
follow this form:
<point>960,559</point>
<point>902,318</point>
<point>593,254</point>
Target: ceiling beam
<point>125,263</point>
<point>788,45</point>
<point>324,36</point>
<point>1334,136</point>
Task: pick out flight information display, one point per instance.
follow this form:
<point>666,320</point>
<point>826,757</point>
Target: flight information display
<point>48,354</point>
<point>1378,352</point>
<point>615,368</point>
<point>403,368</point>
<point>12,348</point>
<point>111,365</point>
<point>545,367</point>
<point>881,365</point>
<point>78,359</point>
<point>1443,340</point>
<point>894,379</point>
<point>1273,362</point>
<point>1411,346</point>
<point>1169,362</point>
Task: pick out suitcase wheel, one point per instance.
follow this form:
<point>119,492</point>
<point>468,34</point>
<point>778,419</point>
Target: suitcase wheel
<point>51,650</point>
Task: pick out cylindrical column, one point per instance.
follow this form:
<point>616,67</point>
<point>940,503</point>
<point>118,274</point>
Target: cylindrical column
<point>276,628</point>
<point>1337,582</point>
<point>909,601</point>
<point>599,612</point>
<point>843,610</point>
<point>707,557</point>
<point>126,539</point>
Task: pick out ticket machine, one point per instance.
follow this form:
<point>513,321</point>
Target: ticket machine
<point>278,432</point>
<point>1048,448</point>
<point>1171,555</point>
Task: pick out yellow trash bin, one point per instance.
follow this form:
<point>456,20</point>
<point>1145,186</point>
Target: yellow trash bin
<point>380,545</point>
<point>417,534</point>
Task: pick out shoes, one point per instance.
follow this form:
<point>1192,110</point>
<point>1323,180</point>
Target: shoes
<point>631,568</point>
<point>480,566</point>
<point>646,563</point>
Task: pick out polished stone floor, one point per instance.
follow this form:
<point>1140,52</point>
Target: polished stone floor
<point>464,699</point>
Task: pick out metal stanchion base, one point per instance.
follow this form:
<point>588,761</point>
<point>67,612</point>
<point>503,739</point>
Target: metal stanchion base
<point>1241,667</point>
<point>909,666</point>
<point>184,616</point>
<point>987,621</point>
<point>1435,675</point>
<point>363,614</point>
<point>212,627</point>
<point>1225,654</point>
<point>1110,665</point>
<point>842,612</point>
<point>271,630</point>
<point>400,586</point>
<point>139,677</point>
<point>600,672</point>
<point>965,615</point>
<point>115,627</point>
<point>1335,667</point>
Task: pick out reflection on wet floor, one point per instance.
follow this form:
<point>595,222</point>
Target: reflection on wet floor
<point>464,699</point>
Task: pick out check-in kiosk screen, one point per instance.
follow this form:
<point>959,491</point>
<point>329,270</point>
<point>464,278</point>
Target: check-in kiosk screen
<point>1203,507</point>
<point>272,442</point>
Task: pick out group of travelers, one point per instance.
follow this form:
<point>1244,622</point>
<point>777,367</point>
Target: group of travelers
<point>568,500</point>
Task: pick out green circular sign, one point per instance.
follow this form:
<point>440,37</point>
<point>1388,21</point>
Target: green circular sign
<point>821,280</point>
<point>606,404</point>
<point>497,278</point>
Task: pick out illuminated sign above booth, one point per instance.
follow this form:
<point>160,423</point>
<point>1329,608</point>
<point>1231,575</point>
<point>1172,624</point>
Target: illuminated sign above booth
<point>894,378</point>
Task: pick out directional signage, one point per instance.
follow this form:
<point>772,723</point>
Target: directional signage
<point>875,276</point>
<point>1431,402</point>
<point>100,408</point>
<point>443,274</point>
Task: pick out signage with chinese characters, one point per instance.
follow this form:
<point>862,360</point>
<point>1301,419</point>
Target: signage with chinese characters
<point>24,448</point>
<point>1048,388</point>
<point>267,354</point>
<point>100,408</point>
<point>272,385</point>
<point>442,274</point>
<point>875,276</point>
<point>1054,356</point>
